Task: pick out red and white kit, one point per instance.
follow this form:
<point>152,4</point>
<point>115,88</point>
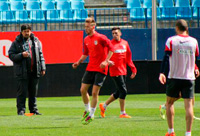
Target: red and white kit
<point>122,57</point>
<point>184,50</point>
<point>97,47</point>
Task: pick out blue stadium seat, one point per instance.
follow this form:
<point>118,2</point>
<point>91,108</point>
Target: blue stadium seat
<point>125,1</point>
<point>37,16</point>
<point>31,0</point>
<point>182,3</point>
<point>16,0</point>
<point>63,5</point>
<point>149,13</point>
<point>16,5</point>
<point>80,15</point>
<point>0,18</point>
<point>196,5</point>
<point>46,5</point>
<point>147,4</point>
<point>77,4</point>
<point>4,6</point>
<point>33,5</point>
<point>62,0</point>
<point>168,13</point>
<point>166,3</point>
<point>78,0</point>
<point>53,16</point>
<point>184,13</point>
<point>67,15</point>
<point>137,14</point>
<point>183,9</point>
<point>22,16</point>
<point>133,4</point>
<point>8,17</point>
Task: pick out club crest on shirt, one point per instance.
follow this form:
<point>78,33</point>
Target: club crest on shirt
<point>95,42</point>
<point>124,46</point>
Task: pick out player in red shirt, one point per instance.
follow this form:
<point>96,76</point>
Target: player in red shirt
<point>96,47</point>
<point>121,58</point>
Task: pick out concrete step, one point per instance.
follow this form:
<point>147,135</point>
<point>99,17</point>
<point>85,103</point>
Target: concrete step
<point>108,12</point>
<point>118,5</point>
<point>104,3</point>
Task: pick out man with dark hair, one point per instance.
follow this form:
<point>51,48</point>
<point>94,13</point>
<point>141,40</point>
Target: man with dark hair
<point>122,57</point>
<point>29,65</point>
<point>95,46</point>
<point>181,52</point>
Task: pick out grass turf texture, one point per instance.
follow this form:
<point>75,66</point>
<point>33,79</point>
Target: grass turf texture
<point>62,115</point>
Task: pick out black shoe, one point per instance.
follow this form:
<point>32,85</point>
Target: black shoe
<point>36,113</point>
<point>21,113</point>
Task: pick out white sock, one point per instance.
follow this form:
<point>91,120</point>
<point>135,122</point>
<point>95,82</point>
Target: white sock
<point>105,105</point>
<point>164,106</point>
<point>122,112</point>
<point>187,133</point>
<point>87,107</point>
<point>170,130</point>
<point>92,111</point>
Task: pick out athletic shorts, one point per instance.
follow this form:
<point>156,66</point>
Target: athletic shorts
<point>177,86</point>
<point>95,78</point>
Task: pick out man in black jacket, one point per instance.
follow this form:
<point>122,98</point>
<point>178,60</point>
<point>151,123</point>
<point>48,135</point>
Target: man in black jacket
<point>29,65</point>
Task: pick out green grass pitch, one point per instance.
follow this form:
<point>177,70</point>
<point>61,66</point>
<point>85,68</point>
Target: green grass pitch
<point>62,115</point>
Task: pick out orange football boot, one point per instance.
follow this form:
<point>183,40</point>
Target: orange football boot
<point>172,134</point>
<point>124,116</point>
<point>102,110</point>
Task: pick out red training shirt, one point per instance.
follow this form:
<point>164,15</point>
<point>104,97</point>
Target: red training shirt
<point>97,47</point>
<point>121,57</point>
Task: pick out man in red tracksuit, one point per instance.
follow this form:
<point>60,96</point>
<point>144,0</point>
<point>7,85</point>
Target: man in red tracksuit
<point>96,46</point>
<point>122,57</point>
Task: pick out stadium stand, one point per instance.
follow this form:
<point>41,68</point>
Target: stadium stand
<point>80,15</point>
<point>107,13</point>
<point>53,16</point>
<point>4,6</point>
<point>47,5</point>
<point>67,15</point>
<point>8,17</point>
<point>77,4</point>
<point>183,9</point>
<point>148,4</point>
<point>37,16</point>
<point>33,5</point>
<point>133,4</point>
<point>16,5</point>
<point>63,5</point>
<point>196,5</point>
<point>137,14</point>
<point>16,0</point>
<point>22,16</point>
<point>168,11</point>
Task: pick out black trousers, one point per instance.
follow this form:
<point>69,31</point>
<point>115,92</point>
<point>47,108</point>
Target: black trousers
<point>120,84</point>
<point>30,86</point>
